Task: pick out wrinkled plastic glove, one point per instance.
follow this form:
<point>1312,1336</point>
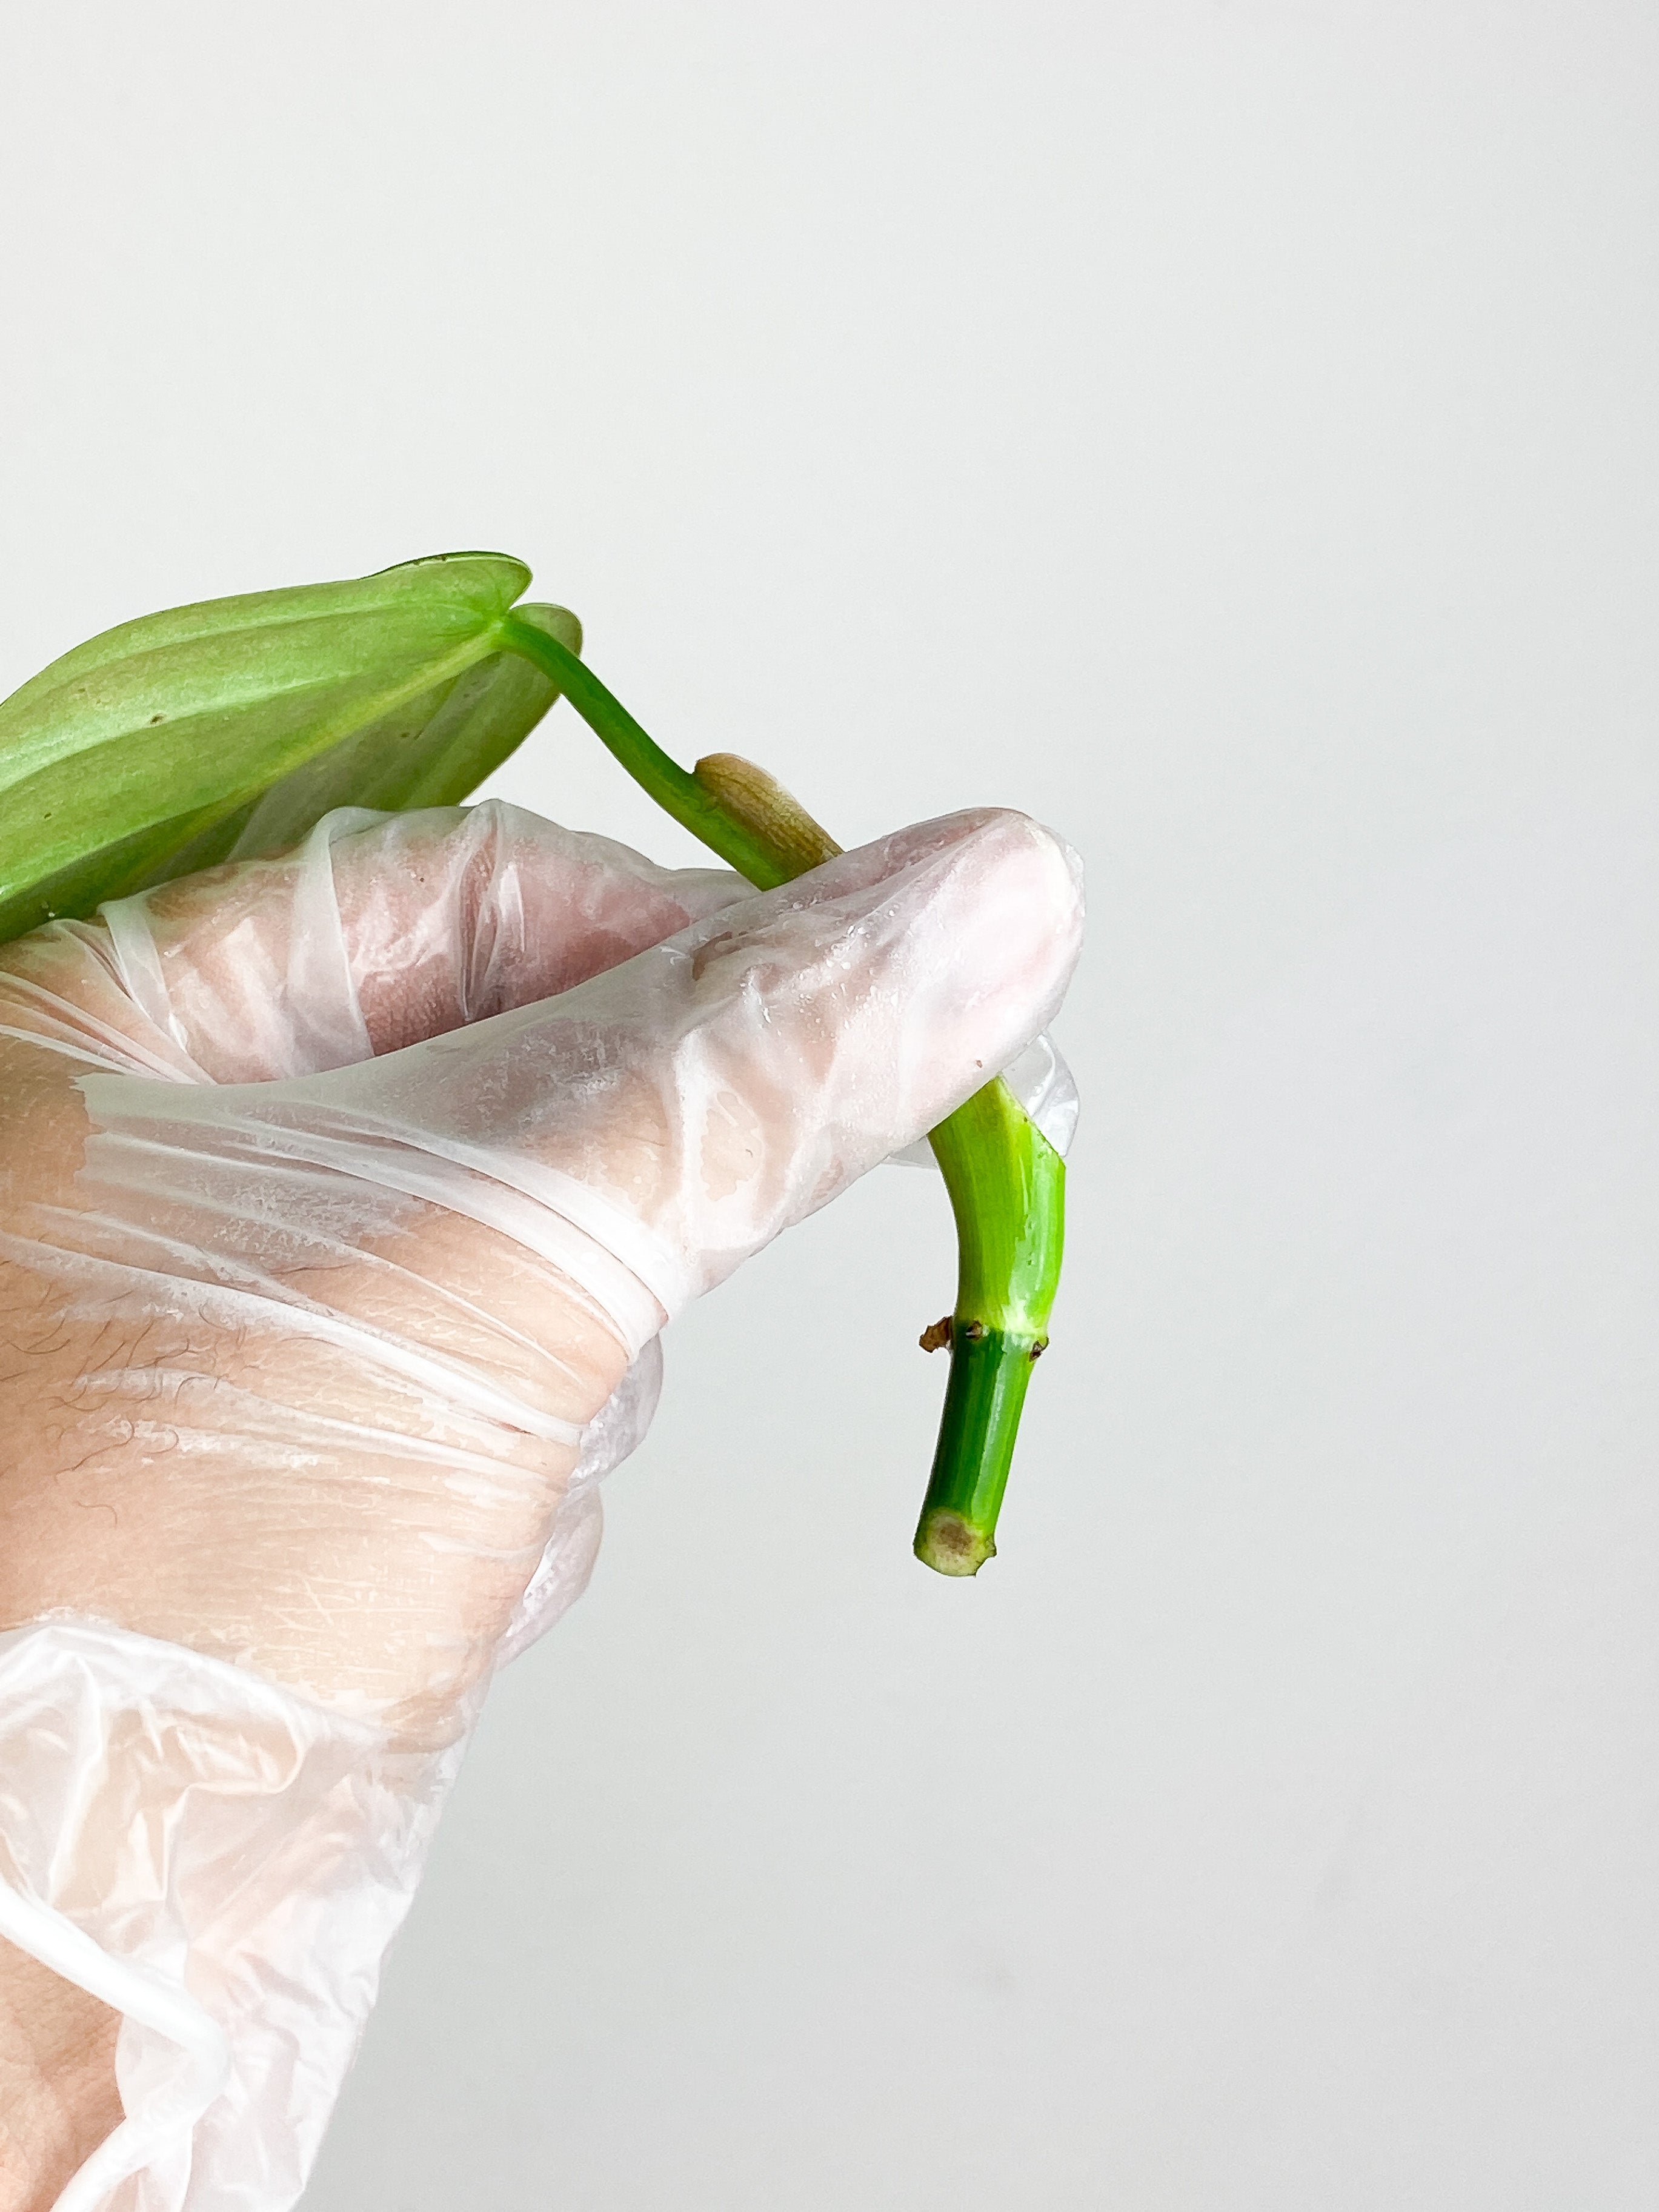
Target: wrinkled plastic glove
<point>343,1199</point>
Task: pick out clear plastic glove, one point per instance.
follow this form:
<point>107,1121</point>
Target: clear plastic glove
<point>344,1197</point>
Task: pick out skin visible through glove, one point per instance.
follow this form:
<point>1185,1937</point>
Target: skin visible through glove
<point>101,1511</point>
<point>313,1411</point>
<point>57,2093</point>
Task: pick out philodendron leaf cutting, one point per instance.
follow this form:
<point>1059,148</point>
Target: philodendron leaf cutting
<point>225,730</point>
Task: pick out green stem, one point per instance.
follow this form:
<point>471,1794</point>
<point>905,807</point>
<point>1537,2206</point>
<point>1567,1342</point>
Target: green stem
<point>675,790</point>
<point>1006,1183</point>
<point>1008,1186</point>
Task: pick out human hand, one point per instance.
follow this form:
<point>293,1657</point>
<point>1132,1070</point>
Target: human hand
<point>342,1198</point>
<point>404,1160</point>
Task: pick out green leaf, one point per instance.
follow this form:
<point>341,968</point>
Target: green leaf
<point>224,729</point>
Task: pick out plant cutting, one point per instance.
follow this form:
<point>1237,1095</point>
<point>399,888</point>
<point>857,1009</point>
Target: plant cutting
<point>226,729</point>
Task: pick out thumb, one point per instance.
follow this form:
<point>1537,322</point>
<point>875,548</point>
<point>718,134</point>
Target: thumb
<point>672,1115</point>
<point>381,929</point>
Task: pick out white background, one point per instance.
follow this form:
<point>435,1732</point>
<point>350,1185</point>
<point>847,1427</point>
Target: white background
<point>1228,431</point>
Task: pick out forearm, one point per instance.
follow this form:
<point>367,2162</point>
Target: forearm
<point>57,2093</point>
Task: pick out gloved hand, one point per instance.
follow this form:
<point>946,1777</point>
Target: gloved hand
<point>343,1199</point>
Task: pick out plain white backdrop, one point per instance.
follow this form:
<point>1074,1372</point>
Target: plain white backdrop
<point>1227,430</point>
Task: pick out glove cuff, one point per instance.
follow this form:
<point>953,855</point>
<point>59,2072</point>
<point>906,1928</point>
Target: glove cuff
<point>222,1863</point>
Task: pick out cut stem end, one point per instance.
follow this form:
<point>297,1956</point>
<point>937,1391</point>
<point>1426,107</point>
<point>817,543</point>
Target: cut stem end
<point>951,1545</point>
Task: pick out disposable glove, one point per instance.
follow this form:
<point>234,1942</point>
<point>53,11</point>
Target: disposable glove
<point>344,1197</point>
